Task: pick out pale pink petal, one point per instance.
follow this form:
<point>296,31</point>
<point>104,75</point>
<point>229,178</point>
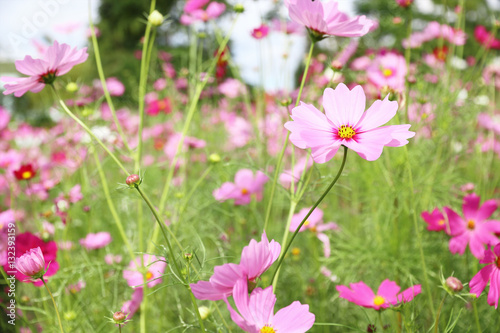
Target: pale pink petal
<point>378,114</point>
<point>294,318</point>
<point>326,244</point>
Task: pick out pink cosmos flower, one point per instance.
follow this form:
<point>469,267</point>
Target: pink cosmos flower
<point>315,224</point>
<point>260,32</point>
<point>58,60</point>
<point>346,124</point>
<point>194,12</point>
<point>245,185</point>
<point>294,175</point>
<point>131,307</point>
<point>31,263</point>
<point>489,273</point>
<point>473,229</point>
<point>404,3</point>
<point>256,312</point>
<point>387,294</point>
<point>486,38</point>
<point>388,70</point>
<point>96,241</point>
<point>436,221</point>
<point>155,267</point>
<point>232,88</point>
<point>324,19</point>
<point>159,105</point>
<point>256,258</point>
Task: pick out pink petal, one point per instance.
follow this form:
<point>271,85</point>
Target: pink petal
<point>294,318</point>
<point>479,281</point>
<point>378,114</point>
<point>471,206</point>
<point>486,210</point>
<point>494,293</point>
<point>388,290</point>
<point>344,106</point>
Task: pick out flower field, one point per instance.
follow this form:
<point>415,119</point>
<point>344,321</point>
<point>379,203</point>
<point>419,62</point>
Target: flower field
<point>173,196</point>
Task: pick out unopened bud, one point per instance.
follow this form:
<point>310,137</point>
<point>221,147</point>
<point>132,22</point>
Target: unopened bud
<point>454,284</point>
<point>336,65</point>
<point>119,317</point>
<point>238,8</point>
<point>155,18</point>
<point>204,312</point>
<point>202,35</point>
<point>71,87</point>
<point>286,101</point>
<point>214,158</point>
<point>133,180</point>
<point>188,256</point>
<point>70,315</point>
<point>397,20</point>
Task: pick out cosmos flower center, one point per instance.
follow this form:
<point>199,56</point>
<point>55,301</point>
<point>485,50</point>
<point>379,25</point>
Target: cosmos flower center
<point>258,34</point>
<point>441,222</point>
<point>244,191</point>
<point>162,105</point>
<point>295,251</point>
<point>378,300</point>
<point>471,225</point>
<point>346,132</point>
<point>26,175</point>
<point>387,72</point>
<point>267,329</point>
<point>149,275</point>
<point>306,223</point>
<point>49,77</point>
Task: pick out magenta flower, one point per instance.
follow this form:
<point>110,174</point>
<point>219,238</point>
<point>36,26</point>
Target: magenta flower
<point>31,263</point>
<point>131,307</point>
<point>155,267</point>
<point>346,124</point>
<point>256,312</point>
<point>324,19</point>
<point>96,241</point>
<point>58,60</point>
<point>473,229</point>
<point>256,258</point>
<point>245,185</point>
<point>387,294</point>
<point>194,11</point>
<point>436,221</point>
<point>489,273</point>
<point>388,70</point>
<point>260,32</point>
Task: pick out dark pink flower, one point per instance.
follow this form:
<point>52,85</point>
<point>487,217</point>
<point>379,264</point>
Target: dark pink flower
<point>31,263</point>
<point>489,273</point>
<point>194,11</point>
<point>58,60</point>
<point>485,38</point>
<point>387,294</point>
<point>256,312</point>
<point>260,32</point>
<point>436,221</point>
<point>404,3</point>
<point>245,185</point>
<point>131,307</point>
<point>473,228</point>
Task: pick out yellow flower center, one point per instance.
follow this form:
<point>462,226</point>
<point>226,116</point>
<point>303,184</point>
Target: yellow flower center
<point>378,300</point>
<point>149,275</point>
<point>425,115</point>
<point>267,329</point>
<point>244,191</point>
<point>295,251</point>
<point>471,225</point>
<point>441,222</point>
<point>346,132</point>
<point>258,34</point>
<point>306,223</point>
<point>162,105</point>
<point>26,175</point>
<point>387,72</point>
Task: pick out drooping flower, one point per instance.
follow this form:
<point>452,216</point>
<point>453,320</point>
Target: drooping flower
<point>324,19</point>
<point>346,124</point>
<point>256,258</point>
<point>245,185</point>
<point>387,294</point>
<point>25,172</point>
<point>388,70</point>
<point>155,267</point>
<point>256,312</point>
<point>260,32</point>
<point>96,241</point>
<point>489,273</point>
<point>58,60</point>
<point>31,264</point>
<point>473,228</point>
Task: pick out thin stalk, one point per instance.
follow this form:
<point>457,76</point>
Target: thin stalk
<point>194,188</point>
<point>89,131</point>
<point>282,153</point>
<point>103,83</point>
<point>275,277</point>
<point>476,316</point>
<point>407,60</point>
<point>142,323</point>
<point>193,299</point>
<point>111,206</point>
<point>55,306</point>
<point>436,323</point>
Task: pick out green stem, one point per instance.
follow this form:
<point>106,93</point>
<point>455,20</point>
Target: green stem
<point>142,323</point>
<point>55,306</point>
<point>103,83</point>
<point>476,316</point>
<point>89,131</point>
<point>193,299</point>
<point>194,188</point>
<point>282,153</point>
<point>308,214</point>
<point>436,323</point>
<point>111,206</point>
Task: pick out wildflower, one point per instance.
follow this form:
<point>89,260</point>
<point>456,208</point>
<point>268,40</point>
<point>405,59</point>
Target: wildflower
<point>194,11</point>
<point>260,32</point>
<point>404,3</point>
<point>324,19</point>
<point>96,241</point>
<point>387,294</point>
<point>435,221</point>
<point>159,105</point>
<point>31,263</point>
<point>489,273</point>
<point>256,258</point>
<point>388,70</point>
<point>486,38</point>
<point>131,307</point>
<point>58,60</point>
<point>256,312</point>
<point>155,267</point>
<point>25,172</point>
<point>133,180</point>
<point>473,229</point>
<point>346,124</point>
<point>245,185</point>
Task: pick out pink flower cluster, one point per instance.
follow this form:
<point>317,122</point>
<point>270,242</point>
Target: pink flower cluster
<point>433,31</point>
<point>197,10</point>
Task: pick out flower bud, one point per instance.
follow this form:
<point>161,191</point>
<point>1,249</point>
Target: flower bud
<point>397,20</point>
<point>204,312</point>
<point>119,317</point>
<point>214,158</point>
<point>155,18</point>
<point>133,180</point>
<point>71,87</point>
<point>70,315</point>
<point>238,8</point>
<point>188,256</point>
<point>454,284</point>
<point>286,101</point>
<point>31,264</point>
<point>336,65</point>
